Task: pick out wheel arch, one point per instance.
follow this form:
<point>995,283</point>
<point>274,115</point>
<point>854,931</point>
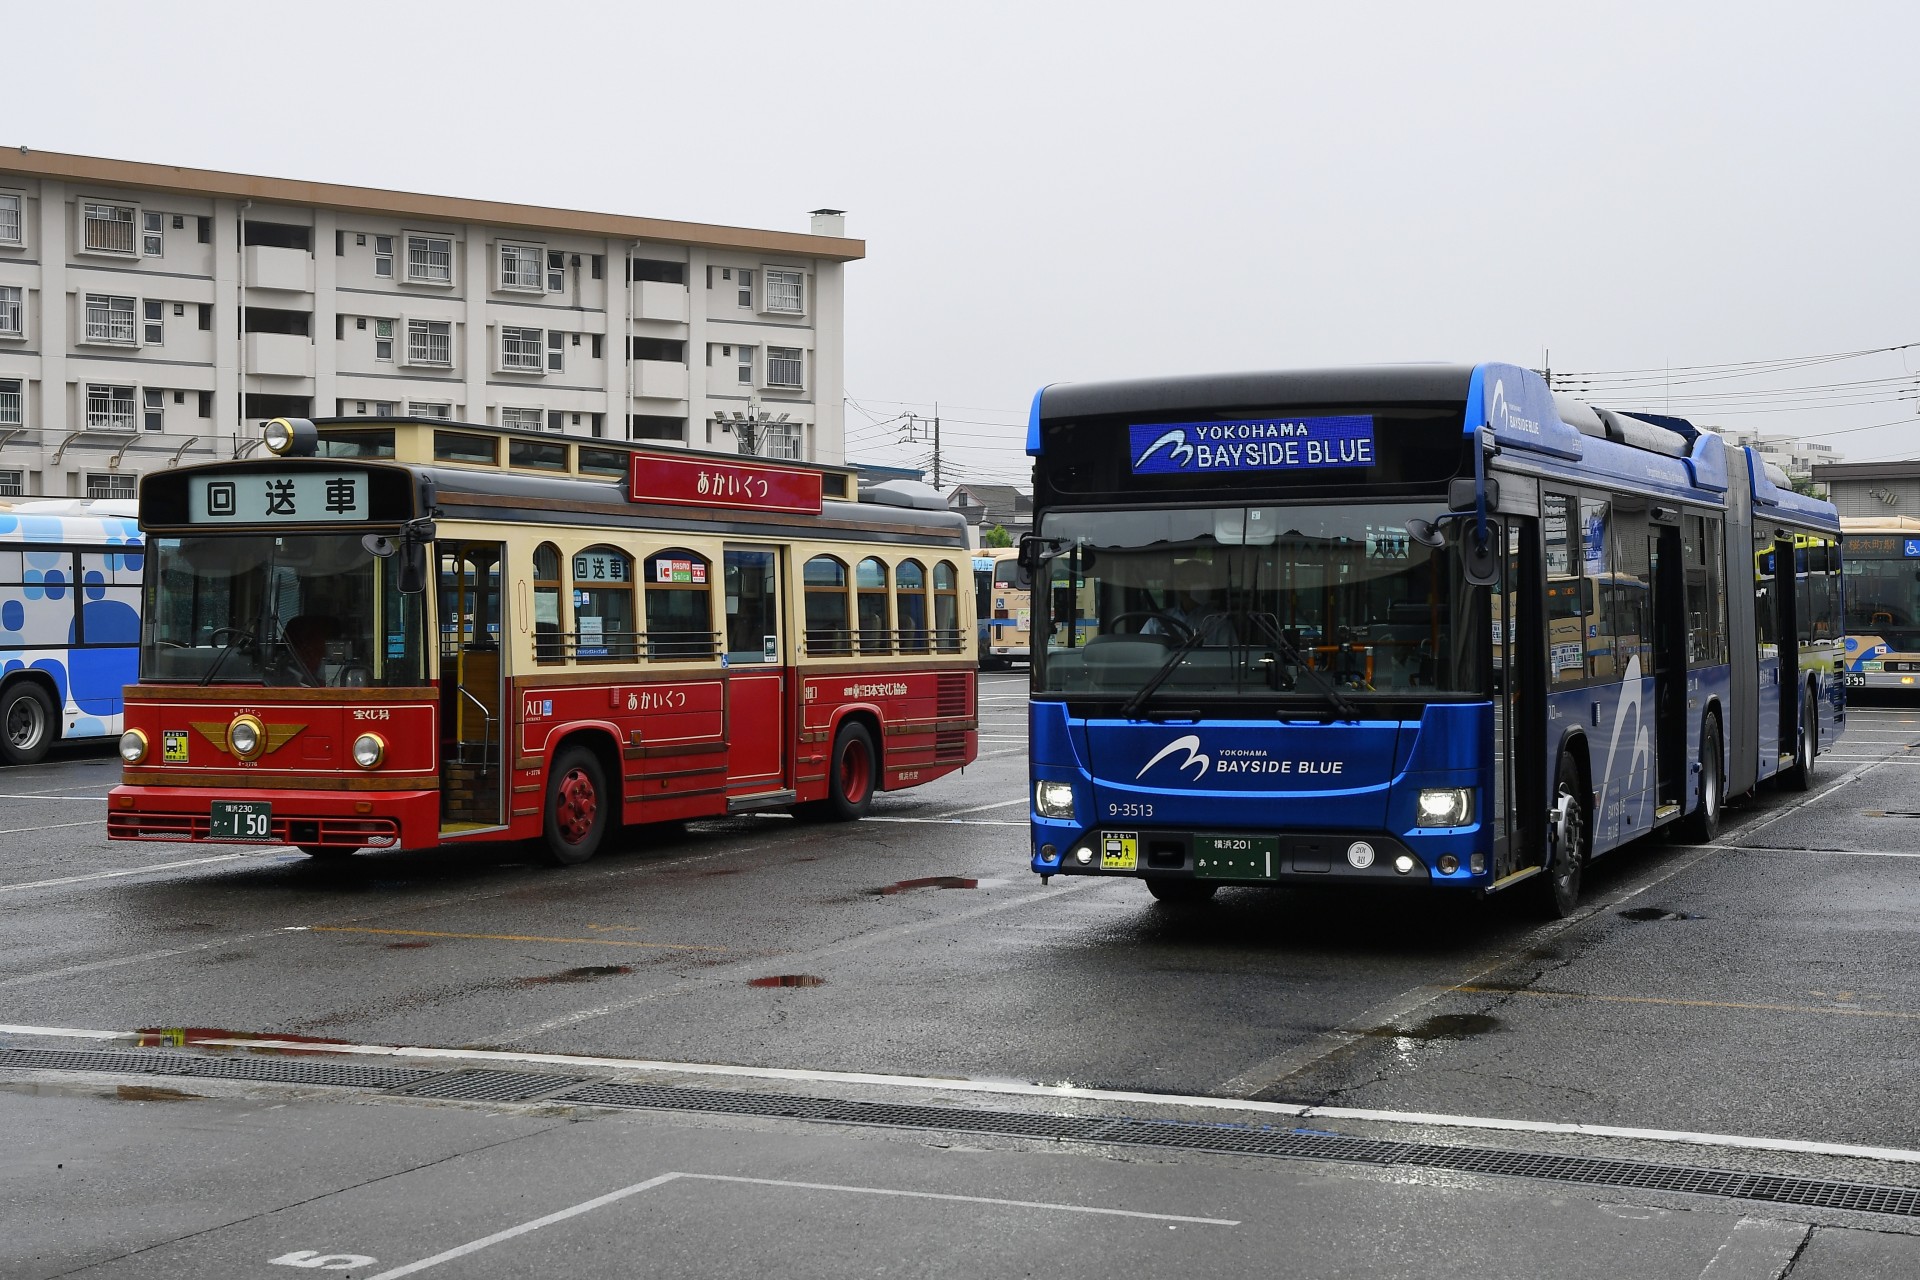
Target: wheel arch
<point>604,742</point>
<point>869,718</point>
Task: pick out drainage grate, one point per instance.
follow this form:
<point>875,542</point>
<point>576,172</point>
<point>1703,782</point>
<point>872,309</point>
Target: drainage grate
<point>491,1086</point>
<point>1231,1139</point>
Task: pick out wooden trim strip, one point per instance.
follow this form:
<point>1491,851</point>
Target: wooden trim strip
<point>675,773</point>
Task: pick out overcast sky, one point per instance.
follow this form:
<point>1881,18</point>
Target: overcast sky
<point>1054,192</point>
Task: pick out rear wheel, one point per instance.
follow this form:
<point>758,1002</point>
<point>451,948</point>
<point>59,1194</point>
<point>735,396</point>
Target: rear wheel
<point>1703,824</point>
<point>1182,890</point>
<point>1805,745</point>
<point>1559,891</point>
<point>850,773</point>
<point>26,723</point>
<point>577,807</point>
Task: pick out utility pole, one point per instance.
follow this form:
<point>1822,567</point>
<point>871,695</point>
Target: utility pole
<point>916,423</point>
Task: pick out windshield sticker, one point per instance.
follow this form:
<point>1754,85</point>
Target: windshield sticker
<point>1262,444</point>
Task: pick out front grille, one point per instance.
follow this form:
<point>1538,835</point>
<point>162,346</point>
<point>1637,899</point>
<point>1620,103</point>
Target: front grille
<point>950,746</point>
<point>950,696</point>
<point>339,833</point>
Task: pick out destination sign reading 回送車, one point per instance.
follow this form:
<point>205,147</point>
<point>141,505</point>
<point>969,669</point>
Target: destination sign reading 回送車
<point>302,496</point>
<point>1256,444</point>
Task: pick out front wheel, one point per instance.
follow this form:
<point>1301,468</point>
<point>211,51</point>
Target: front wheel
<point>26,723</point>
<point>1559,893</point>
<point>1806,745</point>
<point>1703,824</point>
<point>577,807</point>
<point>1181,891</point>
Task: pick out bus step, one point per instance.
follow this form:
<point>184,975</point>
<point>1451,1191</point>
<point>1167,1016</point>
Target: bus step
<point>1666,811</point>
<point>759,800</point>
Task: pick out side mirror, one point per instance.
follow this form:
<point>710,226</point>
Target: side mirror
<point>1481,563</point>
<point>1034,552</point>
<point>1424,532</point>
<point>379,545</point>
<point>412,577</point>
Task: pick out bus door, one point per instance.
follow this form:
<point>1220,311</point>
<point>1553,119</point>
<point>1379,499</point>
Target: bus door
<point>1786,629</point>
<point>758,732</point>
<point>1669,661</point>
<point>472,630</point>
<point>1520,703</point>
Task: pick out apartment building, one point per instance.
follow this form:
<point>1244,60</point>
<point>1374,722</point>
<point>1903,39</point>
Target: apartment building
<point>153,315</point>
<point>1791,454</point>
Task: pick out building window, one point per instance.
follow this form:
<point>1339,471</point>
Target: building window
<point>109,319</point>
<point>102,484</point>
<point>383,339</point>
<point>206,404</point>
<point>785,293</point>
<point>13,312</point>
<point>10,230</point>
<point>679,606</point>
<point>520,268</point>
<point>783,366</point>
<point>153,234</point>
<point>206,315</point>
<point>153,326</point>
<point>556,273</point>
<point>12,403</point>
<point>383,257</point>
<point>520,418</point>
<point>520,349</point>
<point>107,228</point>
<point>661,271</point>
<point>746,366</point>
<point>423,409</point>
<point>746,288</point>
<point>429,260</point>
<point>781,440</point>
<point>13,484</point>
<point>603,616</point>
<point>109,408</point>
<point>825,582</point>
<point>430,342</point>
<point>556,351</point>
<point>153,403</point>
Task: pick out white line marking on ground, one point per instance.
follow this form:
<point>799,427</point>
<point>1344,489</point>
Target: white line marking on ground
<point>52,826</point>
<point>474,1246</point>
<point>134,871</point>
<point>1758,1249</point>
<point>956,822</point>
<point>50,795</point>
<point>982,808</point>
<point>1017,1088</point>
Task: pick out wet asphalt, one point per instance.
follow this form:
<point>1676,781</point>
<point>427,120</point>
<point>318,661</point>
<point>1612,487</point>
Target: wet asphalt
<point>1763,986</point>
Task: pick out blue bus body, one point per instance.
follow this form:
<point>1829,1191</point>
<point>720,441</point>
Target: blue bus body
<point>69,623</point>
<point>1593,626</point>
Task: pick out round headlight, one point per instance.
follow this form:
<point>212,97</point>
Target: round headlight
<point>246,736</point>
<point>277,435</point>
<point>369,749</point>
<point>133,746</point>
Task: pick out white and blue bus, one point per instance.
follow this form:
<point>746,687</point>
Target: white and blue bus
<point>69,621</point>
<point>1423,625</point>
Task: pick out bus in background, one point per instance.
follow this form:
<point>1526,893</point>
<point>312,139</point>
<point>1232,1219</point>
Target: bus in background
<point>1423,625</point>
<point>416,632</point>
<point>1003,602</point>
<point>1881,581</point>
<point>69,620</point>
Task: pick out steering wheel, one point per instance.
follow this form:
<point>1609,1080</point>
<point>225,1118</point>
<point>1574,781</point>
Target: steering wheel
<point>1179,627</point>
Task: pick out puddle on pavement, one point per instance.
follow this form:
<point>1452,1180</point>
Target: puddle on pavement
<point>1656,913</point>
<point>723,871</point>
<point>788,980</point>
<point>585,973</point>
<point>1442,1026</point>
<point>924,882</point>
<point>152,1093</point>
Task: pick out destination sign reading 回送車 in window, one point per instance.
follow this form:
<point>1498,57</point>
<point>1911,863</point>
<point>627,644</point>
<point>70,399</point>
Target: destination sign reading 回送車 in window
<point>1256,444</point>
<point>305,496</point>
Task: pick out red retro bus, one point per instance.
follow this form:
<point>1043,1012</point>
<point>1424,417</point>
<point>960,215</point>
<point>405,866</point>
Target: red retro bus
<point>404,633</point>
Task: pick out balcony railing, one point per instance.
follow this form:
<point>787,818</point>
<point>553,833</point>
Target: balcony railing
<point>109,413</point>
<point>109,229</point>
<point>12,408</point>
<point>110,324</point>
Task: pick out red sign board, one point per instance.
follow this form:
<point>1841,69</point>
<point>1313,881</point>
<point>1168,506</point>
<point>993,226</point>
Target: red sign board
<point>697,481</point>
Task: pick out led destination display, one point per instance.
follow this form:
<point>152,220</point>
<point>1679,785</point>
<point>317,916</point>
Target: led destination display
<point>1257,444</point>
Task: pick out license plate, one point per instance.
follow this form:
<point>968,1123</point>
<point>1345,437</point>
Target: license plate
<point>241,820</point>
<point>1856,679</point>
<point>1235,857</point>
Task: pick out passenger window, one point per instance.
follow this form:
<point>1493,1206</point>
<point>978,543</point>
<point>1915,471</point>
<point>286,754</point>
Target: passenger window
<point>946,608</point>
<point>870,581</point>
<point>910,605</point>
<point>547,643</point>
<point>679,606</point>
<point>603,616</point>
<point>828,631</point>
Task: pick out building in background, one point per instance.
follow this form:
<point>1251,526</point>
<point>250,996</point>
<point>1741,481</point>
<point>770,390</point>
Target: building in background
<point>1796,457</point>
<point>1872,489</point>
<point>987,505</point>
<point>151,314</point>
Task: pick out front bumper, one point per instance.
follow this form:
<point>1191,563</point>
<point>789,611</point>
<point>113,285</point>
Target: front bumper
<point>337,820</point>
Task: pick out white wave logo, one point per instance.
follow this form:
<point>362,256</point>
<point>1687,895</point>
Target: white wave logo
<point>1174,442</point>
<point>1189,744</point>
<point>1500,413</point>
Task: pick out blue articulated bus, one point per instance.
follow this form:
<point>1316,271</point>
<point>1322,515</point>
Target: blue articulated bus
<point>1423,625</point>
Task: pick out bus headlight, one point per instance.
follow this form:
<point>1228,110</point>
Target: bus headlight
<point>133,746</point>
<point>369,749</point>
<point>246,737</point>
<point>1445,806</point>
<point>296,437</point>
<point>1053,799</point>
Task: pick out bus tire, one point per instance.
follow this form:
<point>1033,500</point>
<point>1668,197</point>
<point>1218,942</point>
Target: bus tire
<point>1703,824</point>
<point>1559,891</point>
<point>577,815</point>
<point>852,771</point>
<point>1805,746</point>
<point>26,715</point>
<point>1181,891</point>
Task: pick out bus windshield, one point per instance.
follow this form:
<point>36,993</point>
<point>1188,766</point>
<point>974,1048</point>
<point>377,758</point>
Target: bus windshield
<point>1284,599</point>
<point>295,610</point>
<point>1883,599</point>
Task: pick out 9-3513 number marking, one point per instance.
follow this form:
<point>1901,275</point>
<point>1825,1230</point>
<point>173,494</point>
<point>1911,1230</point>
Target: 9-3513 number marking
<point>1129,809</point>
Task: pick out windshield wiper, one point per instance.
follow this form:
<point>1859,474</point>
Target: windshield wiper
<point>1337,700</point>
<point>1133,705</point>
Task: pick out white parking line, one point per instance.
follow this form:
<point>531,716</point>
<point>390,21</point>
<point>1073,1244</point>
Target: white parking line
<point>612,1197</point>
<point>1758,1249</point>
<point>981,808</point>
<point>130,871</point>
<point>951,822</point>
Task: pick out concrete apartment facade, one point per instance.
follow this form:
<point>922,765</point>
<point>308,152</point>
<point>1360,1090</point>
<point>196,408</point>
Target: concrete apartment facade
<point>153,315</point>
<point>1792,455</point>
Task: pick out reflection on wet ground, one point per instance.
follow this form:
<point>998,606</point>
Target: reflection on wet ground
<point>788,980</point>
<point>924,882</point>
<point>583,973</point>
